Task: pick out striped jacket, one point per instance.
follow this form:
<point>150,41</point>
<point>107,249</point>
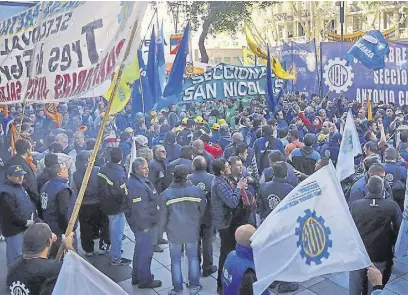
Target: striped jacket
<point>184,205</point>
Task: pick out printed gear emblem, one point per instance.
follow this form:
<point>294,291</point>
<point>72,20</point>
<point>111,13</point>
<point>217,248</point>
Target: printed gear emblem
<point>313,238</point>
<point>19,288</point>
<point>350,75</point>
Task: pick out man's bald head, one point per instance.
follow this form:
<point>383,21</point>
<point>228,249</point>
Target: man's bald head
<point>243,234</point>
<point>237,138</point>
<point>199,163</point>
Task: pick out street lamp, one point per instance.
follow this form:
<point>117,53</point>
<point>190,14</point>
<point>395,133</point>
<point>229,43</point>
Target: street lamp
<point>341,5</point>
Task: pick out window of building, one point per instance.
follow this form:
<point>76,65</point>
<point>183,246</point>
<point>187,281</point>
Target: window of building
<point>290,30</point>
<point>301,32</point>
<point>227,59</point>
<point>280,32</point>
<point>388,20</point>
<point>237,61</point>
<point>357,24</point>
<point>217,60</point>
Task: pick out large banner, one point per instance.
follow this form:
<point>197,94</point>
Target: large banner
<point>302,58</point>
<point>227,81</point>
<point>57,51</point>
<point>358,82</point>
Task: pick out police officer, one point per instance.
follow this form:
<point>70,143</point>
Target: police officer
<point>203,180</point>
<point>57,202</point>
<point>112,192</point>
<point>142,215</point>
<point>91,217</point>
<point>239,268</point>
<point>16,211</point>
<point>184,205</point>
<point>396,175</point>
<point>157,173</point>
<point>274,191</point>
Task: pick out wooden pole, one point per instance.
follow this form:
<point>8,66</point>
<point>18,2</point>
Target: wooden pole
<point>91,163</point>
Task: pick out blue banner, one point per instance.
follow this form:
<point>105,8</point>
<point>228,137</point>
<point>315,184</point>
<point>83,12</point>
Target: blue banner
<point>357,82</point>
<point>223,82</point>
<point>302,57</point>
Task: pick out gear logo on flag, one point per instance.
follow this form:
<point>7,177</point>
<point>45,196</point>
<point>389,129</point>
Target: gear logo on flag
<point>313,238</point>
<point>337,75</point>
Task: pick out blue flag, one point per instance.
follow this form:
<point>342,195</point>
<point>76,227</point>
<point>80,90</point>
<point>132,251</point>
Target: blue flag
<point>273,104</point>
<point>175,82</point>
<point>141,93</point>
<point>161,64</point>
<point>370,50</point>
<point>152,70</point>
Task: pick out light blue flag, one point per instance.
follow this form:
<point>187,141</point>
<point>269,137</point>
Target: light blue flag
<point>161,63</point>
<point>141,86</point>
<point>401,246</point>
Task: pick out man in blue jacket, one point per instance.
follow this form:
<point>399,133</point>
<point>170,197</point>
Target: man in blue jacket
<point>142,216</point>
<point>184,204</point>
<point>16,210</point>
<point>275,157</point>
<point>239,268</point>
<point>112,192</point>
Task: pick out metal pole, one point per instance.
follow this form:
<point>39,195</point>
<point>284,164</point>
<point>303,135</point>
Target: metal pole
<point>92,159</point>
<point>342,20</point>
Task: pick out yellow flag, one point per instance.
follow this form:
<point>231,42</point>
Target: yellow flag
<point>276,66</point>
<point>248,57</point>
<point>122,96</point>
<point>369,109</point>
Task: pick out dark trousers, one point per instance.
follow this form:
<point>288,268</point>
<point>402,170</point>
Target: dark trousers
<point>205,246</point>
<point>142,256</point>
<point>94,224</point>
<point>227,237</point>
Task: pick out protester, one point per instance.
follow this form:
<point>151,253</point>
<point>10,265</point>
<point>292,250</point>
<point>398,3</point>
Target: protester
<point>57,203</point>
<point>179,210</point>
<point>377,219</point>
<point>29,272</point>
<point>16,211</point>
<point>239,267</point>
<point>112,192</point>
<point>142,216</point>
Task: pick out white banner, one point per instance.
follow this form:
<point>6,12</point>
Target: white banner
<point>57,51</point>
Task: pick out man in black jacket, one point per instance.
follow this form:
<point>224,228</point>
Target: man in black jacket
<point>16,212</point>
<point>142,215</point>
<point>157,176</point>
<point>112,192</point>
<point>23,150</point>
<point>378,221</point>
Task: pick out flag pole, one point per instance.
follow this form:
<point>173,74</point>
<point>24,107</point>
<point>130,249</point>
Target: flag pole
<point>92,159</point>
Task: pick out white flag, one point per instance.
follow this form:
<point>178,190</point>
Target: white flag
<point>401,246</point>
<point>349,148</point>
<point>309,234</point>
<point>132,155</point>
<point>77,276</point>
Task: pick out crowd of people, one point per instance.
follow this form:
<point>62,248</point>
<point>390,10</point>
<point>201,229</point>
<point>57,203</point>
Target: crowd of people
<point>214,168</point>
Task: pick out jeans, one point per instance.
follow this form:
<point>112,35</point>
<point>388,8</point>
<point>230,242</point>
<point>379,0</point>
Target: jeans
<point>142,256</point>
<point>14,247</point>
<point>116,228</point>
<point>358,282</point>
<point>193,267</point>
<point>205,246</point>
<point>228,243</point>
<point>92,220</point>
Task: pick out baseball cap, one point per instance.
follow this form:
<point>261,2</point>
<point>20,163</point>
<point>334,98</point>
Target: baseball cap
<point>15,170</point>
<point>142,140</point>
<point>36,238</point>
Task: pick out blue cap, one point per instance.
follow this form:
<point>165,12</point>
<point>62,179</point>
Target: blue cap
<point>15,170</point>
